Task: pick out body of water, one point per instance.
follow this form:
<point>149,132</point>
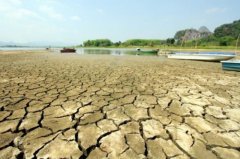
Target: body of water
<point>20,48</point>
<point>82,51</point>
<point>106,51</point>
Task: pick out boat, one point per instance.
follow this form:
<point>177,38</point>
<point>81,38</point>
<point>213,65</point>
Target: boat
<point>68,50</point>
<point>231,65</point>
<point>143,52</point>
<point>139,51</point>
<point>202,56</point>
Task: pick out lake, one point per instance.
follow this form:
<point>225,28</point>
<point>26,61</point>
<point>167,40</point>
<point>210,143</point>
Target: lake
<point>82,51</point>
<point>107,51</point>
<point>20,48</point>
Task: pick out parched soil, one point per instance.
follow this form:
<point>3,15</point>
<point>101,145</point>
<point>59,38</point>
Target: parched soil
<point>99,106</point>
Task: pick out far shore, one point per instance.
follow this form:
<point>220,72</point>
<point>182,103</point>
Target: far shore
<point>185,49</point>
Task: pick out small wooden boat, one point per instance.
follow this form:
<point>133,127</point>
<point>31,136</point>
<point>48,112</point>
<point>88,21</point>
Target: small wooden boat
<point>231,65</point>
<point>143,52</point>
<point>202,56</point>
<point>147,51</point>
<point>68,50</point>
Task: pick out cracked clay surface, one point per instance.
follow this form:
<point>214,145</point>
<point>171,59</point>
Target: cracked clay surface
<point>97,106</point>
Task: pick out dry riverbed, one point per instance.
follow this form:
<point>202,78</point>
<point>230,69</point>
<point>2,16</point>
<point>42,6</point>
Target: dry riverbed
<point>88,106</point>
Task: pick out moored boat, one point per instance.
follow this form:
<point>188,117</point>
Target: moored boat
<point>231,65</point>
<point>202,56</point>
<point>144,52</point>
<point>68,50</point>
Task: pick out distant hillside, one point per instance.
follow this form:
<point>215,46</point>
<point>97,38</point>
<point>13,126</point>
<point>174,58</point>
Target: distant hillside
<point>34,44</point>
<point>6,43</point>
<point>192,34</point>
<point>224,35</point>
<point>231,30</point>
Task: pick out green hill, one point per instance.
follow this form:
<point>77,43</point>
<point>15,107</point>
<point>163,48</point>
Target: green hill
<point>230,30</point>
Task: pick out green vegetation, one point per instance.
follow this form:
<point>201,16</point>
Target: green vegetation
<point>228,30</point>
<point>223,36</point>
<point>143,42</point>
<point>98,43</point>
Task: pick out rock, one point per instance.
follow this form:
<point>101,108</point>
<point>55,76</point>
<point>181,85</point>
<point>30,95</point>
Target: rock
<point>176,108</point>
<point>35,106</point>
<point>114,144</point>
<point>155,150</point>
<point>180,136</point>
<point>233,114</point>
<point>18,114</point>
<point>31,121</point>
<point>131,154</point>
<point>198,150</point>
<point>19,105</point>
<point>9,153</point>
<point>214,139</point>
<point>106,125</point>
<point>136,142</point>
<point>69,135</point>
<point>164,101</point>
<point>196,110</point>
<point>229,125</point>
<point>195,101</point>
<point>7,138</point>
<point>54,111</point>
<point>4,114</point>
<point>37,133</point>
<point>152,128</point>
<point>168,147</point>
<point>145,101</point>
<point>200,124</point>
<point>129,99</point>
<point>97,154</point>
<point>55,124</point>
<point>31,146</point>
<point>227,153</point>
<point>65,149</point>
<point>71,107</point>
<point>117,115</point>
<point>215,111</point>
<point>160,114</point>
<point>136,113</point>
<point>91,118</point>
<point>8,125</point>
<point>86,109</point>
<point>88,135</point>
<point>130,127</point>
<point>222,100</point>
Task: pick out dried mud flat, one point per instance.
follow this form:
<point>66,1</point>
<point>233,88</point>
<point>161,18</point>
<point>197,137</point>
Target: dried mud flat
<point>72,106</point>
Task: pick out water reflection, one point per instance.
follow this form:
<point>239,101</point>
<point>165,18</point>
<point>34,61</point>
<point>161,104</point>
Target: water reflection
<point>112,51</point>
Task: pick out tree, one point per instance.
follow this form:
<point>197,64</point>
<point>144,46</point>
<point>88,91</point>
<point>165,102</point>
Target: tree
<point>170,41</point>
<point>232,30</point>
<point>97,43</point>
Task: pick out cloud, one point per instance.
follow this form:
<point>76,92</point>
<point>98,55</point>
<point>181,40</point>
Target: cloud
<point>13,9</point>
<point>75,18</point>
<point>49,11</point>
<point>23,13</point>
<point>215,10</point>
<point>16,2</point>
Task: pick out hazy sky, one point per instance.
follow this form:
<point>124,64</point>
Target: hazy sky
<point>73,21</point>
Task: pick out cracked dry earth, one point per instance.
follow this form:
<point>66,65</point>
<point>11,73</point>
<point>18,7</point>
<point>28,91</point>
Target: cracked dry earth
<point>89,106</point>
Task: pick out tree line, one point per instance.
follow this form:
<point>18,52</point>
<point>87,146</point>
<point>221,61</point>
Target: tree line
<point>224,35</point>
<point>131,42</point>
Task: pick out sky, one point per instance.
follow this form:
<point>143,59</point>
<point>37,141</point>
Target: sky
<point>74,21</point>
